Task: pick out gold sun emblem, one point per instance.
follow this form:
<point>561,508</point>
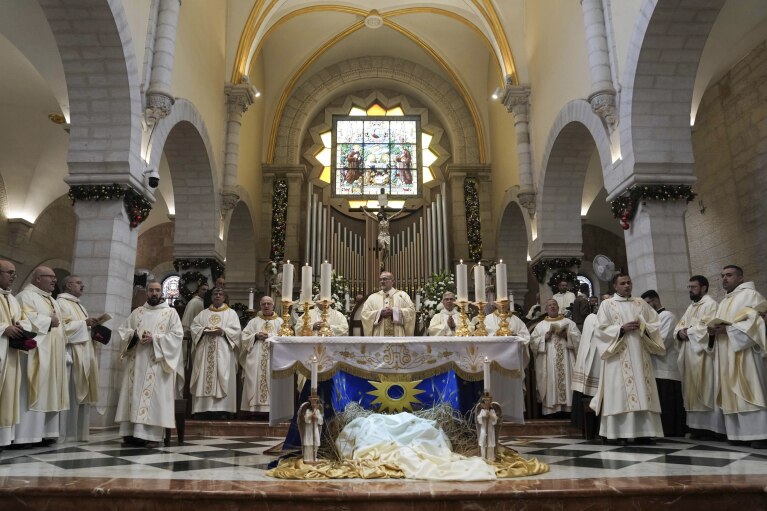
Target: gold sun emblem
<point>395,396</point>
<point>214,320</point>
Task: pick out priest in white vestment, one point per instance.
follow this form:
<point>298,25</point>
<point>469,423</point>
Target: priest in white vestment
<point>446,320</point>
<point>44,390</point>
<point>697,362</point>
<point>339,326</point>
<point>627,397</point>
<point>195,306</point>
<point>254,357</point>
<point>563,297</point>
<point>151,340</point>
<point>389,312</point>
<point>740,350</point>
<point>83,377</point>
<point>554,342</point>
<point>12,322</point>
<point>216,345</point>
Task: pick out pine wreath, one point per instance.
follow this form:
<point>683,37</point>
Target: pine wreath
<point>188,278</point>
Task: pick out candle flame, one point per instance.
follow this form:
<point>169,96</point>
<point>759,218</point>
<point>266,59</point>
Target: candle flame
<point>487,360</point>
<point>501,261</point>
<point>288,261</point>
<point>461,261</point>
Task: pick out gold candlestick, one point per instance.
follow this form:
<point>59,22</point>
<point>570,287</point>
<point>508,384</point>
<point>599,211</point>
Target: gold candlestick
<point>503,328</point>
<point>479,329</point>
<point>325,330</point>
<point>306,328</point>
<point>463,329</point>
<point>286,330</point>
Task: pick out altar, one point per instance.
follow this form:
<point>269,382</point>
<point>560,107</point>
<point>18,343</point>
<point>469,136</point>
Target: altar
<point>403,359</point>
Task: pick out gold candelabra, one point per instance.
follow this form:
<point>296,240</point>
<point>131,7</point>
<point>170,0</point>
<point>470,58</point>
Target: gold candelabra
<point>479,329</point>
<point>463,329</point>
<point>286,330</point>
<point>503,328</point>
<point>325,330</point>
<point>306,328</point>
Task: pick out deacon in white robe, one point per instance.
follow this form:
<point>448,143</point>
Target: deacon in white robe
<point>44,389</point>
<point>697,361</point>
<point>446,320</point>
<point>564,297</point>
<point>195,306</point>
<point>151,340</point>
<point>741,348</point>
<point>553,343</point>
<point>216,338</point>
<point>389,312</point>
<point>627,397</point>
<point>254,357</point>
<point>12,322</point>
<point>83,377</point>
<point>588,361</point>
<point>339,326</point>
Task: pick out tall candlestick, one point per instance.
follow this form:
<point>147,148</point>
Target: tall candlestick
<point>325,270</point>
<point>487,375</point>
<point>500,281</point>
<point>460,282</point>
<point>479,284</point>
<point>306,283</point>
<point>250,299</point>
<point>314,373</point>
<point>287,281</point>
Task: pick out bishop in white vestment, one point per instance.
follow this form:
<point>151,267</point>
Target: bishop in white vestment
<point>151,340</point>
<point>216,340</point>
<point>553,343</point>
<point>446,320</point>
<point>254,357</point>
<point>389,312</point>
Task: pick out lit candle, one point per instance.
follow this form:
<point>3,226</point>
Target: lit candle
<point>250,299</point>
<point>479,284</point>
<point>460,282</point>
<point>487,375</point>
<point>325,270</point>
<point>314,374</point>
<point>500,281</point>
<point>306,283</point>
<point>287,281</point>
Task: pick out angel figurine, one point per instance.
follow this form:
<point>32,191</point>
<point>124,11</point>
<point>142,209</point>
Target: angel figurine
<point>384,237</point>
<point>488,422</point>
<point>310,422</point>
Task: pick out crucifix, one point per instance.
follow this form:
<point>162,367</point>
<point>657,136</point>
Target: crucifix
<point>384,236</point>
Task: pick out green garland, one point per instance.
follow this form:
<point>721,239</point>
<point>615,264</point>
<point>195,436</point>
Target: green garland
<point>559,276</point>
<point>473,225</point>
<point>542,266</point>
<point>188,278</point>
<point>437,285</point>
<point>279,218</point>
<point>216,268</point>
<point>137,207</point>
<point>625,206</point>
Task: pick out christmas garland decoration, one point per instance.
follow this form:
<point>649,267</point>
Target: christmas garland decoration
<point>437,285</point>
<point>187,278</point>
<point>279,218</point>
<point>473,226</point>
<point>542,266</point>
<point>625,206</point>
<point>216,268</point>
<point>559,276</point>
<point>137,207</point>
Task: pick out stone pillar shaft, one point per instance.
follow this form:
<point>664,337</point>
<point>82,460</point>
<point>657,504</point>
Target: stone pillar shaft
<point>239,98</point>
<point>516,99</point>
<point>159,97</point>
<point>596,44</point>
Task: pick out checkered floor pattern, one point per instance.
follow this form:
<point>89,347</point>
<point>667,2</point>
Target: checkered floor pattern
<point>244,458</point>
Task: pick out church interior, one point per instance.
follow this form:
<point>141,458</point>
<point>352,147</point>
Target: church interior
<point>187,140</point>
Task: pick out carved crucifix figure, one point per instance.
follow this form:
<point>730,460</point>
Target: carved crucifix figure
<point>384,236</point>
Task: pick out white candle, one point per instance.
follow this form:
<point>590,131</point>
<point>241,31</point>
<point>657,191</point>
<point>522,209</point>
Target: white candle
<point>306,283</point>
<point>487,375</point>
<point>418,301</point>
<point>287,281</point>
<point>479,284</point>
<point>460,282</point>
<point>250,299</point>
<point>346,302</point>
<point>500,281</point>
<point>325,270</point>
<point>314,373</point>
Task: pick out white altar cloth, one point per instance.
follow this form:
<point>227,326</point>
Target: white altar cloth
<point>410,358</point>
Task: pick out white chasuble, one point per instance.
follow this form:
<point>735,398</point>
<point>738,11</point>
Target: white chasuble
<point>10,367</point>
<point>438,325</point>
<point>402,322</point>
<point>696,361</point>
<point>588,361</point>
<point>554,361</point>
<point>627,396</point>
<point>213,384</point>
<point>147,400</point>
<point>336,320</point>
<point>84,370</point>
<point>254,359</point>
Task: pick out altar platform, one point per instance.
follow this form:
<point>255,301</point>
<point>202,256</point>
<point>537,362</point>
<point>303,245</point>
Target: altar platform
<point>224,468</point>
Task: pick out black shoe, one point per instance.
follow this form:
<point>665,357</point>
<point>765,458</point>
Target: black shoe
<point>759,444</point>
<point>738,443</point>
<point>614,441</point>
<point>48,441</point>
<point>644,440</point>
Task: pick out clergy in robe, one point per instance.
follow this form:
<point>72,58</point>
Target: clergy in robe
<point>553,343</point>
<point>151,340</point>
<point>588,366</point>
<point>740,349</point>
<point>83,377</point>
<point>627,396</point>
<point>518,329</point>
<point>193,308</point>
<point>697,363</point>
<point>216,345</point>
<point>564,297</point>
<point>389,312</point>
<point>44,389</point>
<point>254,357</point>
<point>446,320</point>
<point>12,324</point>
<point>336,320</point>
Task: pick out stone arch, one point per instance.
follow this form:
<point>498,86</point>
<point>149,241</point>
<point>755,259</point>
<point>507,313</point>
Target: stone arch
<point>369,73</point>
<point>102,77</point>
<point>572,140</point>
<point>512,247</point>
<point>661,65</point>
<point>184,140</point>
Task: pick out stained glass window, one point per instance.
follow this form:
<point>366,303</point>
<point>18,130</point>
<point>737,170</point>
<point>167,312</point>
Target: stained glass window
<point>170,289</point>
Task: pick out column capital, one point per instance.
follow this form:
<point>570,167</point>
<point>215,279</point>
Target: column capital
<point>516,98</point>
<point>286,171</point>
<point>479,171</point>
<point>239,97</point>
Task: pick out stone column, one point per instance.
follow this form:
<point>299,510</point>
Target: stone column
<point>602,97</point>
<point>105,257</point>
<point>516,99</point>
<point>159,98</point>
<point>239,98</point>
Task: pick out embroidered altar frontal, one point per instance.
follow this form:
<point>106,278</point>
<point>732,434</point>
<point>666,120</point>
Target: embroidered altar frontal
<point>398,359</point>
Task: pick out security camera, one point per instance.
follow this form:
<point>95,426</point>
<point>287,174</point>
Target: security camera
<point>152,178</point>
